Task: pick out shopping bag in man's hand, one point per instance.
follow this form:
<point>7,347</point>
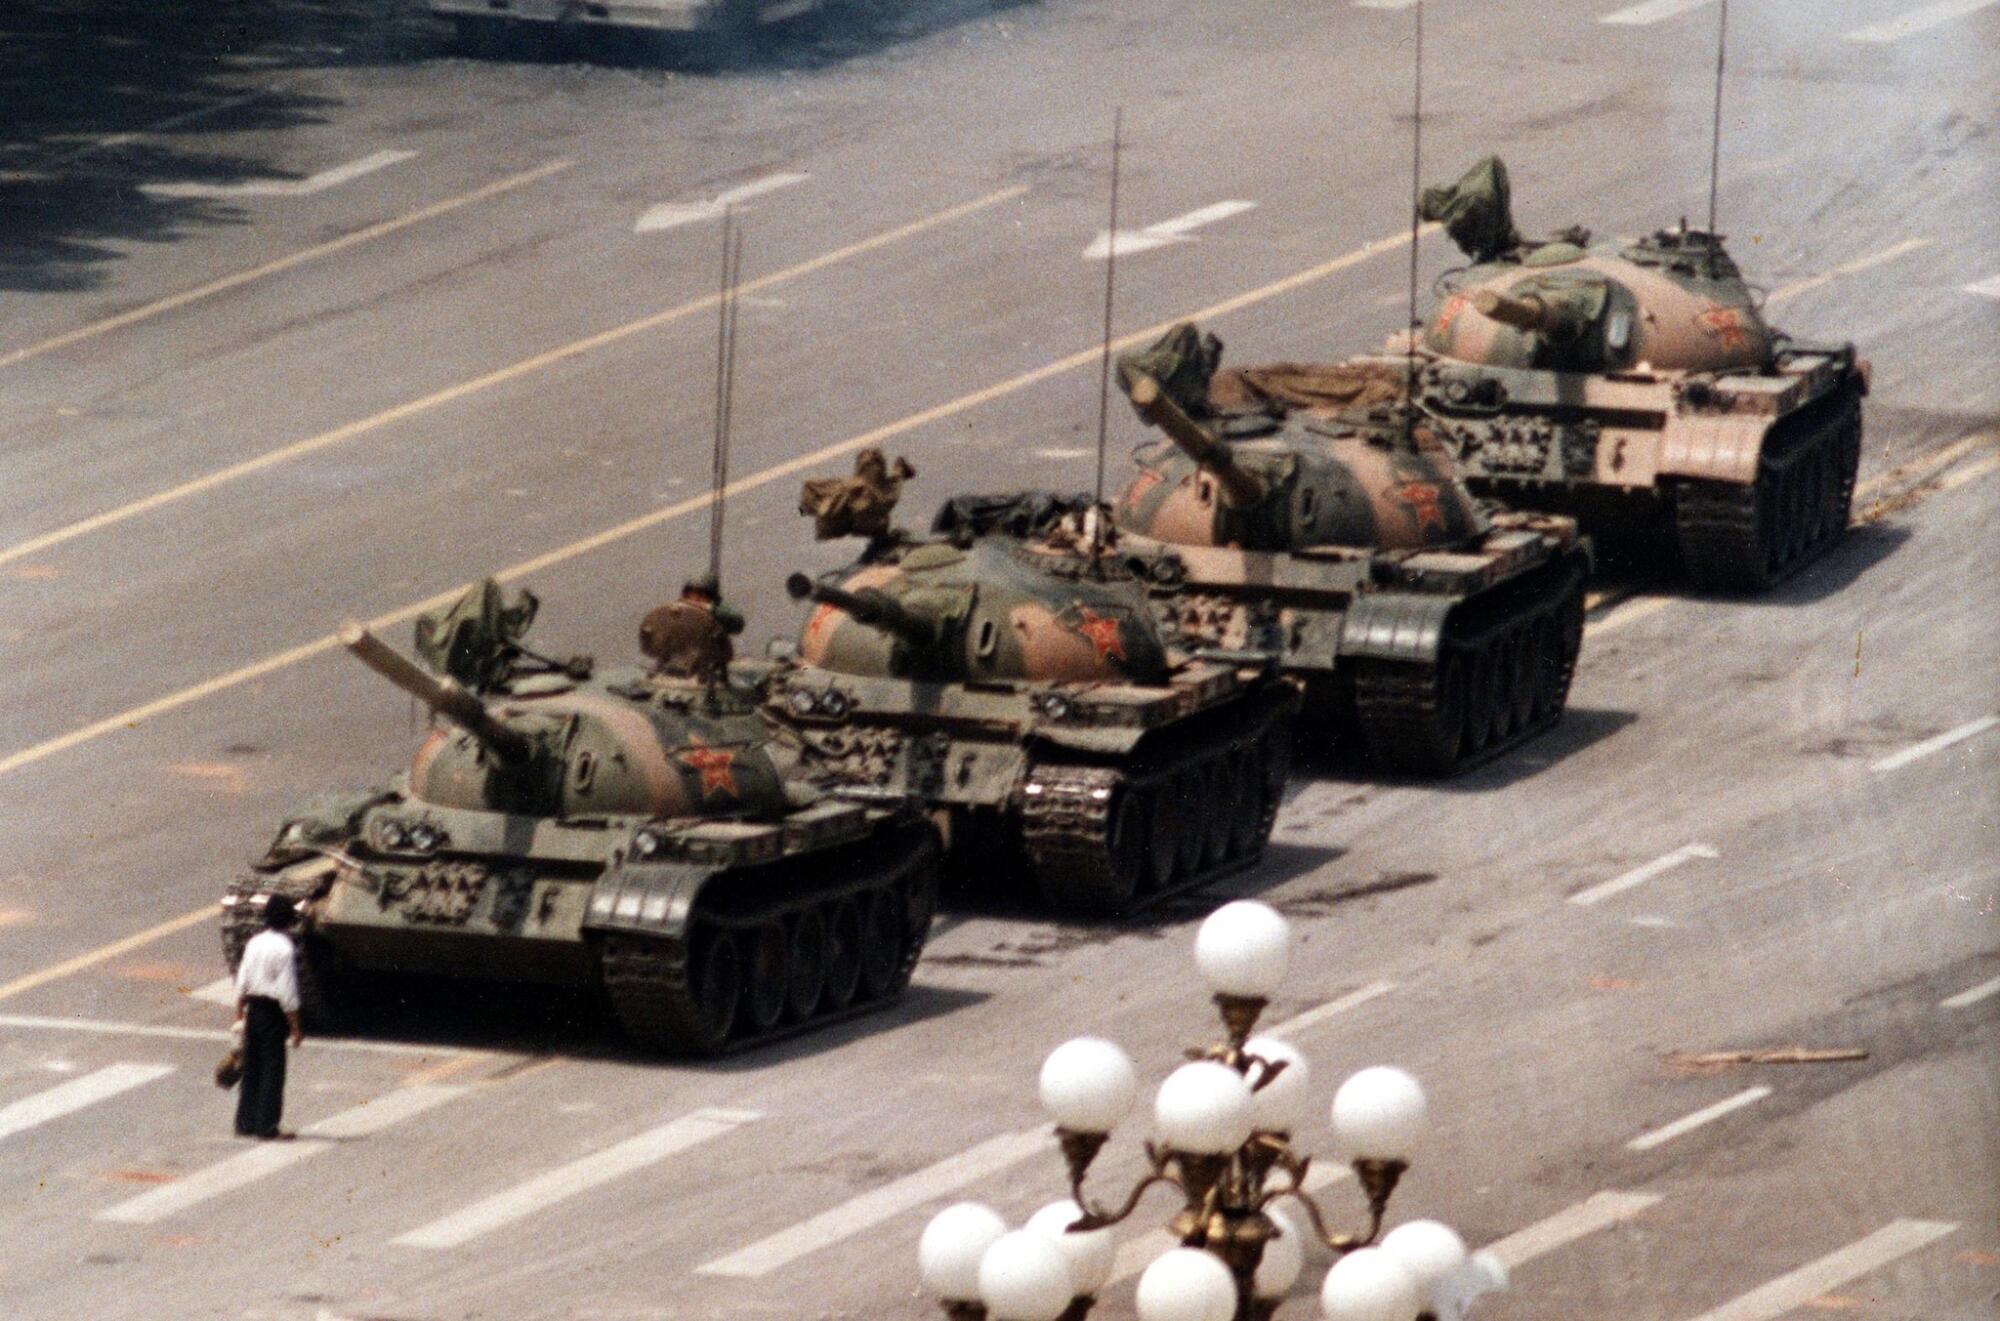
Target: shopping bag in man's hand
<point>229,1069</point>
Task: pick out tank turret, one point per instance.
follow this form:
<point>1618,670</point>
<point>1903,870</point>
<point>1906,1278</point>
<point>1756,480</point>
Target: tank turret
<point>1241,488</point>
<point>639,833</point>
<point>870,607</point>
<point>1637,386</point>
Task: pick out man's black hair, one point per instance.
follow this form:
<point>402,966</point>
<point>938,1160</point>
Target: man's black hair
<point>279,914</point>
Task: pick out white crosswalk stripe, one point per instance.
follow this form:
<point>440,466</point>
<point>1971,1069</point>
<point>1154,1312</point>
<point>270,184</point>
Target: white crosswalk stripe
<point>1918,20</point>
<point>579,1176</point>
<point>268,1158</point>
<point>1598,1211</point>
<point>1653,11</point>
<point>891,1199</point>
<point>74,1095</point>
<point>1896,1239</point>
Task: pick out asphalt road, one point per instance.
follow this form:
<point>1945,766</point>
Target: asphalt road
<point>365,321</point>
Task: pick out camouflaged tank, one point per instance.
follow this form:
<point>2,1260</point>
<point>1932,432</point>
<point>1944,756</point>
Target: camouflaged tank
<point>635,831</point>
<point>1638,386</point>
<point>1291,509</point>
<point>1015,679</point>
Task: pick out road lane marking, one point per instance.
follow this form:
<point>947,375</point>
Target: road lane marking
<point>672,215</point>
<point>1384,4</point>
<point>1971,995</point>
<point>363,235</point>
<point>1313,1017</point>
<point>579,1176</point>
<point>1916,752</point>
<point>879,1204</point>
<point>108,1028</point>
<point>1598,1211</point>
<point>111,951</point>
<point>306,187</point>
<point>1640,875</point>
<point>221,991</point>
<point>1918,20</point>
<point>1180,229</point>
<point>137,715</point>
<point>269,1158</point>
<point>1688,1123</point>
<point>1629,610</point>
<point>74,1095</point>
<point>1987,288</point>
<point>1855,267</point>
<point>527,366</point>
<point>1896,1239</point>
<point>1653,11</point>
<point>1971,472</point>
<point>171,122</point>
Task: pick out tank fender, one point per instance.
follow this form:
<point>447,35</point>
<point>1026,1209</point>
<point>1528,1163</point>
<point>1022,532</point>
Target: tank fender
<point>652,898</point>
<point>1720,447</point>
<point>1110,740</point>
<point>1395,626</point>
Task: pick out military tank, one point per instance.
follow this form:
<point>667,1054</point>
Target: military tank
<point>1007,669</point>
<point>635,831</point>
<point>1291,508</point>
<point>1639,387</point>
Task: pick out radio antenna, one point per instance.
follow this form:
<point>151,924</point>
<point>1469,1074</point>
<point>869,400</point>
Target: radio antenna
<point>1416,209</point>
<point>725,383</point>
<point>1715,131</point>
<point>1104,367</point>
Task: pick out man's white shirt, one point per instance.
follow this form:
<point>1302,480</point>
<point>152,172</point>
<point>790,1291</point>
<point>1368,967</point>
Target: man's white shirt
<point>269,968</point>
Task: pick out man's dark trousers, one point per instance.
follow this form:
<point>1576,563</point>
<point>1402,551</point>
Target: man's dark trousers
<point>261,1101</point>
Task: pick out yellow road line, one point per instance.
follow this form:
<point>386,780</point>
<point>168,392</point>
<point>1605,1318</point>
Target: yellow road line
<point>1625,613</point>
<point>207,912</point>
<point>539,362</point>
<point>1970,472</point>
<point>257,669</point>
<point>282,264</point>
<point>1919,468</point>
<point>1854,267</point>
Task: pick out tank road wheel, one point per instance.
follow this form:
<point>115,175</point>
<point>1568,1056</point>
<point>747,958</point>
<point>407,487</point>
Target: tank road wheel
<point>1217,811</point>
<point>881,944</point>
<point>1189,785</point>
<point>1510,714</point>
<point>1274,758</point>
<point>1846,456</point>
<point>1481,687</point>
<point>715,980</point>
<point>766,976</point>
<point>1162,839</point>
<point>1529,709</point>
<point>843,953</point>
<point>805,964</point>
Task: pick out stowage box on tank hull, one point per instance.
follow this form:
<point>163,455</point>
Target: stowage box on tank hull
<point>1639,385</point>
<point>1297,517</point>
<point>1016,681</point>
<point>634,831</point>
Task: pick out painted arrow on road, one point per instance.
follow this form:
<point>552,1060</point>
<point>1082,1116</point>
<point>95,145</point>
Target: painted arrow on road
<point>316,183</point>
<point>672,215</point>
<point>1176,230</point>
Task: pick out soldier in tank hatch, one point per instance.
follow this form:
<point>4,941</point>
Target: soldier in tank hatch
<point>689,637</point>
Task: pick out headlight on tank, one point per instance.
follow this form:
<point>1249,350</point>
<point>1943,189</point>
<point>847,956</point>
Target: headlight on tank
<point>392,835</point>
<point>802,701</point>
<point>647,844</point>
<point>426,838</point>
<point>834,704</point>
<point>1053,706</point>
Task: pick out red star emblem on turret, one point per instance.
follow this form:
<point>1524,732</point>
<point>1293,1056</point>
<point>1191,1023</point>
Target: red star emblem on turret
<point>1422,498</point>
<point>713,763</point>
<point>1147,480</point>
<point>818,623</point>
<point>1102,630</point>
<point>1726,324</point>
<point>1449,313</point>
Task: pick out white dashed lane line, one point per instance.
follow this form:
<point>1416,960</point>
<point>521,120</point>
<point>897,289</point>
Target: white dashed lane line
<point>1654,11</point>
<point>1918,751</point>
<point>306,187</point>
<point>1688,1123</point>
<point>1972,995</point>
<point>1180,229</point>
<point>1598,1211</point>
<point>1640,875</point>
<point>1918,20</point>
<point>1896,1239</point>
<point>76,1094</point>
<point>1319,1014</point>
<point>673,215</point>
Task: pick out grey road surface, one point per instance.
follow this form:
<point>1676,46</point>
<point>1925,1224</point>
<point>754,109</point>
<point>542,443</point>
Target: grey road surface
<point>311,318</point>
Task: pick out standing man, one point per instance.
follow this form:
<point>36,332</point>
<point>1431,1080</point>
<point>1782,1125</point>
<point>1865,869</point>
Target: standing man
<point>267,1004</point>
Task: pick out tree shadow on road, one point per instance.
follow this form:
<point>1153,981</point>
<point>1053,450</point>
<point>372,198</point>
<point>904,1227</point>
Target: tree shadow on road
<point>105,97</point>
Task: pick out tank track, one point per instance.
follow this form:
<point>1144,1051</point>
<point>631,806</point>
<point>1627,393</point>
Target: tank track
<point>1503,676</point>
<point>649,980</point>
<point>1098,838</point>
<point>1746,538</point>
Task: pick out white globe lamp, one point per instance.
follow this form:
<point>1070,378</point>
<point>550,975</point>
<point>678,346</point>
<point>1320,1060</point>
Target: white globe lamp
<point>1430,1251</point>
<point>1025,1277</point>
<point>1369,1285</point>
<point>952,1245</point>
<point>1089,1252</point>
<point>1242,950</point>
<point>1379,1114</point>
<point>1280,1104</point>
<point>1087,1085</point>
<point>1204,1109</point>
<point>1187,1284</point>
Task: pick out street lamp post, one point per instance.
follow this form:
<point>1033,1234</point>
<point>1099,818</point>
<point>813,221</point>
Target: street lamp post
<point>1223,1125</point>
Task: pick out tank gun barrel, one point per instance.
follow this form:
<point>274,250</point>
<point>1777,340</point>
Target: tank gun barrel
<point>1529,312</point>
<point>444,696</point>
<point>869,607</point>
<point>1239,488</point>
